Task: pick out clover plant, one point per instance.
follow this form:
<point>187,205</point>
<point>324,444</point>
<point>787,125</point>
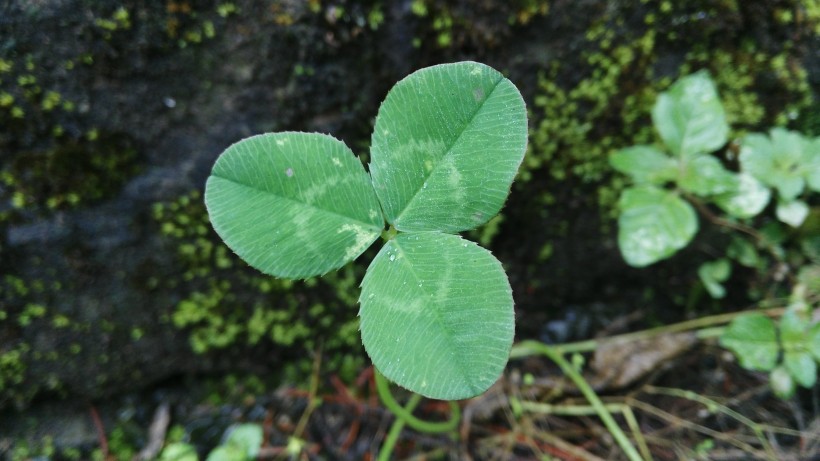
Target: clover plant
<point>658,217</point>
<point>436,310</point>
<point>790,357</point>
<point>657,220</point>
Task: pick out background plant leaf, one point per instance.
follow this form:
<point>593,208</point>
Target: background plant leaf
<point>437,315</point>
<point>776,160</point>
<point>813,164</point>
<point>713,274</point>
<point>706,176</point>
<point>753,339</point>
<point>781,382</point>
<point>814,341</point>
<point>248,437</point>
<point>228,452</point>
<point>293,204</point>
<point>795,334</point>
<point>801,366</point>
<point>645,164</point>
<point>792,213</point>
<point>689,116</point>
<point>447,143</point>
<point>748,200</point>
<point>178,451</point>
<point>653,225</point>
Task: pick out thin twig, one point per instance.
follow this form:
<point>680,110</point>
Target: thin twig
<point>95,417</point>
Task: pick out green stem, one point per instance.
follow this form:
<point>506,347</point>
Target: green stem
<point>383,387</point>
<point>388,234</point>
<point>404,415</point>
<point>389,444</point>
<point>591,396</point>
<point>702,324</point>
<point>712,405</point>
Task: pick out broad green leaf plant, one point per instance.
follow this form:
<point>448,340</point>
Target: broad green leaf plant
<point>789,353</point>
<point>681,176</point>
<point>436,309</point>
<point>657,220</point>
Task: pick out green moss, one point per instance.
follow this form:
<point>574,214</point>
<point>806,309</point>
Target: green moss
<point>526,10</point>
<point>375,18</point>
<point>226,9</point>
<point>418,8</point>
<point>24,450</point>
<point>30,312</point>
<point>12,367</point>
<point>119,20</point>
<point>231,304</point>
<point>71,174</point>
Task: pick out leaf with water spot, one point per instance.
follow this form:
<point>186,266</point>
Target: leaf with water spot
<point>437,315</point>
<point>689,116</point>
<point>293,204</point>
<point>447,143</point>
<point>748,200</point>
<point>653,225</point>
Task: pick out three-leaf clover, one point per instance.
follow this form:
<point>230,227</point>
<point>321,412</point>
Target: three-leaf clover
<point>436,310</point>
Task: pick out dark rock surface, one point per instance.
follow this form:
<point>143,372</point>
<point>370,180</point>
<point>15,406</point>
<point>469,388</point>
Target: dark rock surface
<point>158,85</point>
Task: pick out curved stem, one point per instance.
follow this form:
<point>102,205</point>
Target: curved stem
<point>406,415</point>
<point>591,396</point>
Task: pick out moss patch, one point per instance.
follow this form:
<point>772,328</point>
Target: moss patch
<point>229,304</point>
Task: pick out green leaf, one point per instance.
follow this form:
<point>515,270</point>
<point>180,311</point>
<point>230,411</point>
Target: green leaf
<point>753,339</point>
<point>748,200</point>
<point>813,164</point>
<point>802,367</point>
<point>808,277</point>
<point>645,164</point>
<point>690,118</point>
<point>713,274</point>
<point>248,437</point>
<point>229,452</point>
<point>178,452</point>
<point>792,213</point>
<point>653,225</point>
<point>778,160</point>
<point>706,176</point>
<point>293,204</point>
<point>782,383</point>
<point>437,315</point>
<point>793,329</point>
<point>447,143</point>
<point>814,341</point>
<point>743,251</point>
